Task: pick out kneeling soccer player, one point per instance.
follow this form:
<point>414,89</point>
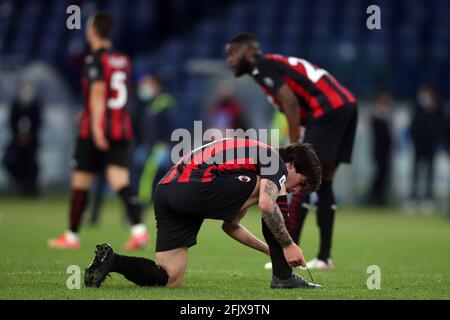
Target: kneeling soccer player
<point>200,186</point>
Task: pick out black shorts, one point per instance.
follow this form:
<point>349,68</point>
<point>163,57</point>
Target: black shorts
<point>333,134</point>
<point>88,158</point>
<point>180,208</point>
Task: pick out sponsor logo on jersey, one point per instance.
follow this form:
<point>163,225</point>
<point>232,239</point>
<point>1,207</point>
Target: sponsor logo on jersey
<point>282,180</point>
<point>244,178</point>
<point>89,59</point>
<point>268,82</point>
<point>93,72</point>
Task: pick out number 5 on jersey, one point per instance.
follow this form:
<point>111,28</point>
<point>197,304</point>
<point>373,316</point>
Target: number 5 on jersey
<point>119,85</point>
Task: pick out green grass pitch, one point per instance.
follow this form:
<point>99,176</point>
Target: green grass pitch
<point>412,252</point>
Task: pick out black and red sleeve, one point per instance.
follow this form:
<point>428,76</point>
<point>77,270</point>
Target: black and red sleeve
<point>94,68</point>
<point>272,167</point>
<point>267,75</point>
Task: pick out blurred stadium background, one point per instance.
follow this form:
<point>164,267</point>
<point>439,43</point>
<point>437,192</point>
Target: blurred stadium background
<point>182,42</point>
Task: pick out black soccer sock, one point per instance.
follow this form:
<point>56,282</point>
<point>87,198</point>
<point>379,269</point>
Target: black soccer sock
<point>132,205</point>
<point>326,209</point>
<point>77,206</point>
<point>97,200</point>
<point>141,271</point>
<point>280,267</point>
<point>298,210</point>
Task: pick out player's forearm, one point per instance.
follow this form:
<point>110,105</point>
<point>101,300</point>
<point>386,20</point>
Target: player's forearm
<point>272,216</point>
<point>294,134</point>
<point>275,223</point>
<point>98,111</point>
<point>293,118</point>
<point>98,105</point>
<point>291,109</point>
<point>244,236</point>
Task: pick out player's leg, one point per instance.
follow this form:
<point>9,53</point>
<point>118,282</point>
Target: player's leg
<point>97,201</point>
<point>295,217</point>
<point>174,236</point>
<point>86,162</point>
<point>298,209</point>
<point>81,182</point>
<point>282,274</point>
<point>334,149</point>
<point>141,271</point>
<point>174,262</point>
<point>119,180</point>
<point>427,205</point>
<point>280,267</point>
<point>326,210</point>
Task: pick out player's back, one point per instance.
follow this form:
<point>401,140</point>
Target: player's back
<point>317,90</point>
<point>223,156</point>
<point>114,69</point>
<point>216,179</point>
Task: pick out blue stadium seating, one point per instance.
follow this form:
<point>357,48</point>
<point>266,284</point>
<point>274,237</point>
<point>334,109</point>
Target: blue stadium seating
<point>414,33</point>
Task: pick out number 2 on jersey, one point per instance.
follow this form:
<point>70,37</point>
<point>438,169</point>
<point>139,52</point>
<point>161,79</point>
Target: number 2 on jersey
<point>314,74</point>
<point>118,84</point>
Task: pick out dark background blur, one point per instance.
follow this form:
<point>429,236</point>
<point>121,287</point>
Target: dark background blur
<point>182,43</point>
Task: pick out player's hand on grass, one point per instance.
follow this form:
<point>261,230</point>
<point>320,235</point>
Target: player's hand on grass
<point>100,140</point>
<point>294,256</point>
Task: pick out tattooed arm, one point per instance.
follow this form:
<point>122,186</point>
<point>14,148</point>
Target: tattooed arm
<point>271,213</point>
<point>274,221</point>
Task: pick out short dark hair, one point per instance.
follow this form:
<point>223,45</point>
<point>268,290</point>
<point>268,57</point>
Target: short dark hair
<point>306,162</point>
<point>247,39</point>
<point>103,24</point>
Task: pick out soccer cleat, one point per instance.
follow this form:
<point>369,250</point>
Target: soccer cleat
<point>64,241</point>
<point>317,264</point>
<point>99,268</point>
<point>295,281</point>
<point>268,266</point>
<point>137,241</point>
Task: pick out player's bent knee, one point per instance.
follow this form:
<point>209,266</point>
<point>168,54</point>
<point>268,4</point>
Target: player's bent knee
<point>174,262</point>
<point>175,275</point>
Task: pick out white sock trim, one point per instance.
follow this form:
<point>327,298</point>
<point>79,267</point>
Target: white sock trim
<point>72,236</point>
<point>138,229</point>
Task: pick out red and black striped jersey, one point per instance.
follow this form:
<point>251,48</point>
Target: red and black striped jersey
<point>316,89</point>
<point>114,69</point>
<point>225,156</point>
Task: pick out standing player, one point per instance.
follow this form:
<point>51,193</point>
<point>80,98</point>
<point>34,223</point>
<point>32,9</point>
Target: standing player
<point>311,97</point>
<point>220,180</point>
<point>105,133</point>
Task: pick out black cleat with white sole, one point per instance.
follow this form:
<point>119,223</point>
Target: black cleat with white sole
<point>99,268</point>
<point>295,281</point>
